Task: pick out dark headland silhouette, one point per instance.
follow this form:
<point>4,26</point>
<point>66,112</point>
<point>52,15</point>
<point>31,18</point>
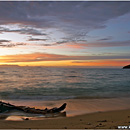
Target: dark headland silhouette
<point>126,67</point>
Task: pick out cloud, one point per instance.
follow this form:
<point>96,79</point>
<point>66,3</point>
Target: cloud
<point>75,39</point>
<point>76,46</point>
<point>110,44</point>
<point>23,30</point>
<point>62,42</point>
<point>105,39</point>
<point>9,44</point>
<point>103,43</point>
<point>36,39</point>
<point>74,18</point>
<point>102,63</point>
<point>37,57</point>
<point>3,41</point>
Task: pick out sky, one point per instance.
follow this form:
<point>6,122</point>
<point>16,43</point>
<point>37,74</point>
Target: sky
<point>77,33</point>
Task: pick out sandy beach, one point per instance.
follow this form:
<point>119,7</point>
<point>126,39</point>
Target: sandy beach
<point>99,120</point>
<point>81,114</point>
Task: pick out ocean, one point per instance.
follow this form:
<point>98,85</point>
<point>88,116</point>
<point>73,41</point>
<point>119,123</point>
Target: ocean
<point>49,84</point>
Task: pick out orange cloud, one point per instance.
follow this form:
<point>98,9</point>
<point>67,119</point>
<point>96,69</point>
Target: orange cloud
<point>68,45</point>
<point>76,46</point>
<point>101,43</point>
<point>45,59</point>
<point>102,63</point>
<point>36,57</point>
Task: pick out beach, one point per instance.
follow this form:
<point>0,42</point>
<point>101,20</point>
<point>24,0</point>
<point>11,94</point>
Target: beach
<point>102,120</point>
<point>81,114</point>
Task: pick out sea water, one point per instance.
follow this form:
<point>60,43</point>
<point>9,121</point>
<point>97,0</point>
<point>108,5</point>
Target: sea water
<point>44,83</point>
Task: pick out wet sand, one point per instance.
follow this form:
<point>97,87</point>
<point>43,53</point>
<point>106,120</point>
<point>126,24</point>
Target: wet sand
<point>78,106</point>
<point>81,114</point>
<point>99,120</point>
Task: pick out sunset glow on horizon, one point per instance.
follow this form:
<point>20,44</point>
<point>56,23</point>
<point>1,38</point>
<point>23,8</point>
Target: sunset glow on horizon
<point>86,34</point>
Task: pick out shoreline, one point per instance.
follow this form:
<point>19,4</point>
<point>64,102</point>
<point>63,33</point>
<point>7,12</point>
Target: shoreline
<point>81,114</point>
<point>97,120</point>
<point>78,106</point>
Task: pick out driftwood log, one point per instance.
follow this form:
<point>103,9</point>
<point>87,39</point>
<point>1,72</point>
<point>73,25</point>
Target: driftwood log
<point>4,107</point>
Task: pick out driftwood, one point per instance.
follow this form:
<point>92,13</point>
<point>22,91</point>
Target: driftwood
<point>4,107</point>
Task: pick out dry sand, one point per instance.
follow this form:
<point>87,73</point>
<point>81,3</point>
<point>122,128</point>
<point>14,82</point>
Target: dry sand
<point>101,113</point>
